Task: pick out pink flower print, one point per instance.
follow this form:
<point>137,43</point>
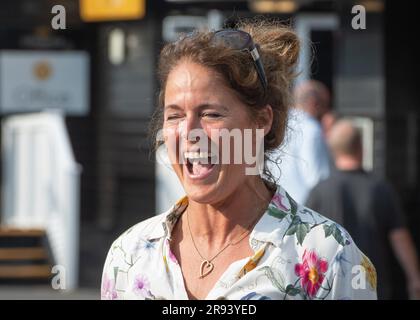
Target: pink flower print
<point>108,291</point>
<point>172,257</point>
<point>311,271</point>
<point>141,286</point>
<point>277,200</point>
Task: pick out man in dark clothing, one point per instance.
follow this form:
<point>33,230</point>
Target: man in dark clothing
<point>368,208</point>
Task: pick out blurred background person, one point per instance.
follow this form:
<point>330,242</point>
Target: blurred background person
<point>368,208</point>
<point>304,160</point>
<point>327,122</point>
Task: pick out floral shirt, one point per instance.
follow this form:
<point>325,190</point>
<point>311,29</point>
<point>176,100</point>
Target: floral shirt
<point>298,254</point>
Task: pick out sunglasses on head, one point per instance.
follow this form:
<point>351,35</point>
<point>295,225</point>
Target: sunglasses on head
<point>241,40</point>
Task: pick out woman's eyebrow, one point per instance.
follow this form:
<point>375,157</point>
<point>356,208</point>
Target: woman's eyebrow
<point>172,106</point>
<point>212,105</point>
<point>200,106</point>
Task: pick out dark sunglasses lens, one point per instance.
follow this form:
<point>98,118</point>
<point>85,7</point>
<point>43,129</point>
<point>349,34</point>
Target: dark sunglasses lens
<point>234,39</point>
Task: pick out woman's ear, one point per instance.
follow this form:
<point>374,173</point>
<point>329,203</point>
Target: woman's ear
<point>266,119</point>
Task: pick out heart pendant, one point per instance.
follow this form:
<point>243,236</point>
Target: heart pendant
<point>205,268</point>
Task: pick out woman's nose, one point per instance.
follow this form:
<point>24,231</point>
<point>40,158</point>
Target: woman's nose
<point>190,129</point>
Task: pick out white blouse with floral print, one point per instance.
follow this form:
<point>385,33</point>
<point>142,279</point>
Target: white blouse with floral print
<point>298,254</point>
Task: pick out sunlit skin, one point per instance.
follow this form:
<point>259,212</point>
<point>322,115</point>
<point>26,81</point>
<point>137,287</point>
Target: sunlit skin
<point>223,204</point>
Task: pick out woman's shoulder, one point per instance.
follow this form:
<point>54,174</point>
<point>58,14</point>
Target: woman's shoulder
<point>314,255</point>
<point>306,228</point>
<point>323,227</point>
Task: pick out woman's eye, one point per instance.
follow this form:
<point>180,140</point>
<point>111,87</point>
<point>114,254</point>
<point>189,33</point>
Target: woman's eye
<point>212,115</point>
<point>173,117</point>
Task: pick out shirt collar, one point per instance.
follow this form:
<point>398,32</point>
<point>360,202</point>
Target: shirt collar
<point>269,229</point>
<point>272,226</point>
<point>168,221</point>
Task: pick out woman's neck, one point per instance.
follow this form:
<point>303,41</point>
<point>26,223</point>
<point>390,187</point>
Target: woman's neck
<point>222,222</point>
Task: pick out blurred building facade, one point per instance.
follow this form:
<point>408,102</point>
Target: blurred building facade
<point>371,73</point>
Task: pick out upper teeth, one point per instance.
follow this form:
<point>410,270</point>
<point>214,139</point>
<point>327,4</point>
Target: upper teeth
<point>197,155</point>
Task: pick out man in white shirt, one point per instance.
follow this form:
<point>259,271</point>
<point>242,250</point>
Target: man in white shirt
<point>303,160</point>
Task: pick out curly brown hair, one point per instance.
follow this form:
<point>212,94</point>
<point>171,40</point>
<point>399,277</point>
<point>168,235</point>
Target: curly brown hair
<point>278,46</point>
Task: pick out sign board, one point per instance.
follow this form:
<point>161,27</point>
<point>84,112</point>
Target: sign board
<point>106,10</point>
<point>38,80</point>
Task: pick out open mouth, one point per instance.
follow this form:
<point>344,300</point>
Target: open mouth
<point>199,164</point>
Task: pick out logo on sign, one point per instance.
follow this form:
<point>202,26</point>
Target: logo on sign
<point>42,70</point>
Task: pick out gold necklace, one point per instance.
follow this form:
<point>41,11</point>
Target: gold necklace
<point>207,266</point>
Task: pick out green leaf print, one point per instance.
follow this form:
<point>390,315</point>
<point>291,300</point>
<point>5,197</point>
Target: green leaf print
<point>293,204</point>
<point>301,232</point>
<point>292,291</point>
<point>292,230</point>
<point>333,230</point>
<point>275,277</point>
<point>338,236</point>
<point>301,229</point>
<point>275,212</point>
<point>328,230</point>
<point>115,273</point>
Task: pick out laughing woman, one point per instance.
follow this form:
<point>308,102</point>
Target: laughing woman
<point>234,235</point>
